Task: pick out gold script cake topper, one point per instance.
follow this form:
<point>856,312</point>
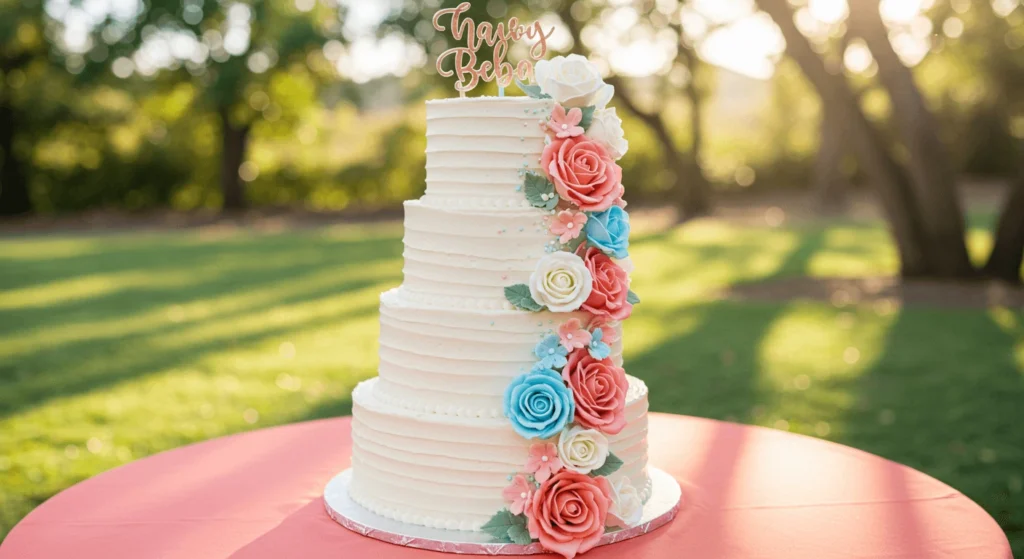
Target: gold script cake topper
<point>464,59</point>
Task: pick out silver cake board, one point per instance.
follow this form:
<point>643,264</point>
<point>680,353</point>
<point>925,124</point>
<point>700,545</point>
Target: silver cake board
<point>660,509</point>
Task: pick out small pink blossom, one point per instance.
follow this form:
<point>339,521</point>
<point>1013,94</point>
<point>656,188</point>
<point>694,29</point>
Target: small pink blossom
<point>565,125</point>
<point>573,335</point>
<point>543,461</point>
<point>568,224</point>
<point>519,494</point>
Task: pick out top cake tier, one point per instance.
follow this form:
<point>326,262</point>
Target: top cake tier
<point>478,149</point>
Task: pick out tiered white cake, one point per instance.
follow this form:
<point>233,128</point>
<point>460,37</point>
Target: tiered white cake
<point>430,443</point>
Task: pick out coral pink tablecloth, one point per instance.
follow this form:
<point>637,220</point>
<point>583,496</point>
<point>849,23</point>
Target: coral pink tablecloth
<point>750,493</point>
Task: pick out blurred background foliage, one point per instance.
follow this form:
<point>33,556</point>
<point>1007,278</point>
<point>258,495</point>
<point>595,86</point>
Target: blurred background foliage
<point>167,104</point>
<point>141,105</point>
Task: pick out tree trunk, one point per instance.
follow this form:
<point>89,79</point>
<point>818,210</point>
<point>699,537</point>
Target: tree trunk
<point>689,186</point>
<point>885,175</point>
<point>234,143</point>
<point>14,195</point>
<point>699,187</point>
<point>1007,254</point>
<point>830,185</point>
<point>932,180</point>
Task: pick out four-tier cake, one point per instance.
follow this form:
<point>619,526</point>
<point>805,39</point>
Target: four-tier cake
<point>501,403</point>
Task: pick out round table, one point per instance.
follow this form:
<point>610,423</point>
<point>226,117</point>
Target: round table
<point>749,492</point>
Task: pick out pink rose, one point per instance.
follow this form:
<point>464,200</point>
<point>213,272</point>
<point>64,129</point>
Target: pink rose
<point>609,288</point>
<point>568,512</point>
<point>599,388</point>
<point>583,173</point>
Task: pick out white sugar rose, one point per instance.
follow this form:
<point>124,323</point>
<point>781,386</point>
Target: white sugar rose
<point>561,282</point>
<point>627,509</point>
<point>571,80</point>
<point>582,450</point>
<point>603,96</point>
<point>606,127</point>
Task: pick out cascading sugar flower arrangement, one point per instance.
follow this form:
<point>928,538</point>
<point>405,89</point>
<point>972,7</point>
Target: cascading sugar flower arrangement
<point>574,396</point>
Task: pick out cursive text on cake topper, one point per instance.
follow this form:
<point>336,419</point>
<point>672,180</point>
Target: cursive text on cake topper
<point>464,59</point>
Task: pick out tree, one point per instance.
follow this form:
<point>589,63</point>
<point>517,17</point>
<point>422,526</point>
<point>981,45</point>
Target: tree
<point>22,50</point>
<point>919,197</point>
<point>829,181</point>
<point>931,178</point>
<point>235,52</point>
<point>690,186</point>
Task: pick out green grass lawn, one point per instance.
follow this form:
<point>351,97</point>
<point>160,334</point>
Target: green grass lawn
<point>117,346</point>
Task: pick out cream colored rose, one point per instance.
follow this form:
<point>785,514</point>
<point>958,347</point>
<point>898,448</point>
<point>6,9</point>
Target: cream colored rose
<point>606,127</point>
<point>561,282</point>
<point>582,450</point>
<point>627,509</point>
<point>571,80</point>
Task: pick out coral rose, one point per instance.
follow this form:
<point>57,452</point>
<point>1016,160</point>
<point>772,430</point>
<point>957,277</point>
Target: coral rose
<point>583,173</point>
<point>609,287</point>
<point>568,512</point>
<point>599,391</point>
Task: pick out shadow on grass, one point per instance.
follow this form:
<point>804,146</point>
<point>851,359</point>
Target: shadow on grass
<point>219,268</point>
<point>262,269</point>
<point>714,369</point>
<point>944,397</point>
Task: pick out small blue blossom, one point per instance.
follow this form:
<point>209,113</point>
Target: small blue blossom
<point>598,349</point>
<point>551,353</point>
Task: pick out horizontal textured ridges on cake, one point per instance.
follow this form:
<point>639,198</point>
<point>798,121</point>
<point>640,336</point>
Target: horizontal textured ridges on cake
<point>478,149</point>
<point>448,472</point>
<point>471,254</point>
<point>456,361</point>
<point>431,445</point>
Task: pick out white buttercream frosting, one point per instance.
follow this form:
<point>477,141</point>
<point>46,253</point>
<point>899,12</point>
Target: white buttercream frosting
<point>430,443</point>
<point>477,147</point>
<point>448,472</point>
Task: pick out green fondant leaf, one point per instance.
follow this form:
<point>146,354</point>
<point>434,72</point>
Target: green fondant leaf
<point>611,464</point>
<point>532,90</point>
<point>519,296</point>
<point>633,298</point>
<point>520,534</point>
<point>588,116</point>
<point>499,524</point>
<point>535,186</point>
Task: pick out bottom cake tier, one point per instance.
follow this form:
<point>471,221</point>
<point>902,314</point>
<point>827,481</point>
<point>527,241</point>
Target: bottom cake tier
<point>448,472</point>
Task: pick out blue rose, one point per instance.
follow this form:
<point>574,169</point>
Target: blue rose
<point>538,404</point>
<point>609,231</point>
